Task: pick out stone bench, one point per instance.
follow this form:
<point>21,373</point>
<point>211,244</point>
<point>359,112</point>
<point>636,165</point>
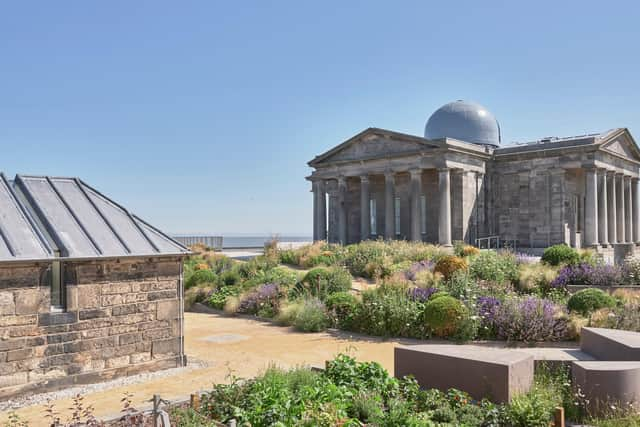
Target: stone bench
<point>607,383</point>
<point>496,374</point>
<point>610,344</point>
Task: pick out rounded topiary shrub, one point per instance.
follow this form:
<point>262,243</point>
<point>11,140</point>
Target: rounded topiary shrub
<point>445,315</point>
<point>587,301</point>
<point>323,281</point>
<point>449,264</point>
<point>343,309</point>
<point>560,254</point>
<point>199,277</point>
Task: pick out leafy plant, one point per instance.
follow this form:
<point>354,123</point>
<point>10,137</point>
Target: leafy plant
<point>494,266</point>
<point>311,317</point>
<point>201,277</point>
<point>322,281</point>
<point>343,310</point>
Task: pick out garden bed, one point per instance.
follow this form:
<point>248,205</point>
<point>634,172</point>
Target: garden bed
<point>421,291</point>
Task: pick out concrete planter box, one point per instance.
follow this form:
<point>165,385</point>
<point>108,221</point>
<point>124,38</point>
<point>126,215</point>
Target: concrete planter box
<point>496,374</point>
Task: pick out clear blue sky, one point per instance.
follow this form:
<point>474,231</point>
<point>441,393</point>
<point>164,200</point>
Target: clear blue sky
<point>200,116</point>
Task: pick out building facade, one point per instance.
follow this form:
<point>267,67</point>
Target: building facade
<point>459,183</point>
<point>88,291</point>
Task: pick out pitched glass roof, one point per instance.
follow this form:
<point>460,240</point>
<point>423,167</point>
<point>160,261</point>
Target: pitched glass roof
<point>41,215</point>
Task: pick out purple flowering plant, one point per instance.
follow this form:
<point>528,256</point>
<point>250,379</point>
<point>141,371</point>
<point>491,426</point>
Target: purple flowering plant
<point>588,275</point>
<point>264,299</point>
<point>412,272</point>
<point>527,319</point>
<point>420,294</point>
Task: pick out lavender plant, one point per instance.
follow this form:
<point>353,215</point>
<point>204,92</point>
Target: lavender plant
<point>526,319</point>
<point>264,300</point>
<point>588,275</point>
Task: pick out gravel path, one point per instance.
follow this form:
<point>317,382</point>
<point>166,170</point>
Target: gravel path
<point>43,398</point>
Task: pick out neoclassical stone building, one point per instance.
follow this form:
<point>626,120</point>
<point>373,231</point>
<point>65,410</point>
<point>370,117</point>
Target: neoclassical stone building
<point>459,183</point>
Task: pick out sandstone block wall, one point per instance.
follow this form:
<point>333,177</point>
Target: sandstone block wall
<point>121,318</point>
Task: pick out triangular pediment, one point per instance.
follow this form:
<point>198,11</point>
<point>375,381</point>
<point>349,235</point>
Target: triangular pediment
<point>622,144</point>
<point>375,143</point>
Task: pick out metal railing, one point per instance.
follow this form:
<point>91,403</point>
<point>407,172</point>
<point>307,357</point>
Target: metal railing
<point>214,242</point>
<point>495,242</point>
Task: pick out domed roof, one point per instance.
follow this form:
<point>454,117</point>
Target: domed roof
<point>466,121</point>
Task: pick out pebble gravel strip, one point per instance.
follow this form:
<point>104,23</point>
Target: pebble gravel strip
<point>68,393</point>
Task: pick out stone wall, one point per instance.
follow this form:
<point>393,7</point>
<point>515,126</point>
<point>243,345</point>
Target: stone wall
<point>122,317</point>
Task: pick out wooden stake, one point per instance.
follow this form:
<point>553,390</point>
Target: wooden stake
<point>195,402</point>
<point>559,417</point>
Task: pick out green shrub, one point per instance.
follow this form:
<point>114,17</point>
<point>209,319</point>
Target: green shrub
<point>343,310</point>
<point>230,278</point>
<point>288,312</point>
<point>219,297</point>
<point>323,281</point>
<point>311,317</point>
<point>388,311</point>
<point>461,285</point>
<point>449,264</point>
<point>445,315</point>
<point>200,277</point>
<point>496,267</point>
<point>366,407</point>
<point>533,409</point>
<point>589,300</point>
<point>289,256</point>
<point>560,254</point>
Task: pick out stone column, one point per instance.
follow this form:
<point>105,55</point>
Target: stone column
<point>389,206</point>
<point>444,224</point>
<point>342,210</point>
<point>591,208</point>
<point>628,213</point>
<point>416,192</point>
<point>612,206</point>
<point>365,208</point>
<point>316,224</point>
<point>603,226</point>
<point>620,208</point>
<point>319,211</point>
<point>636,210</point>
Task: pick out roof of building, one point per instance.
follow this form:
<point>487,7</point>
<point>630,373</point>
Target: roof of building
<point>558,142</point>
<point>44,217</point>
<point>465,121</point>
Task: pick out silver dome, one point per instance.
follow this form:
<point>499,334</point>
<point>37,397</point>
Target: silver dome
<point>465,121</point>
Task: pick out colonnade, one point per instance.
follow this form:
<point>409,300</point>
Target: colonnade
<point>611,208</point>
<point>415,192</point>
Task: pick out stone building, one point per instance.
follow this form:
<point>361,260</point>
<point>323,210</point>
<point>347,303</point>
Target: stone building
<point>459,183</point>
<point>88,291</point>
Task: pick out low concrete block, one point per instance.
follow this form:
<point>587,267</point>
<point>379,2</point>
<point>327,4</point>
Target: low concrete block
<point>496,374</point>
<point>610,344</point>
<point>607,384</point>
